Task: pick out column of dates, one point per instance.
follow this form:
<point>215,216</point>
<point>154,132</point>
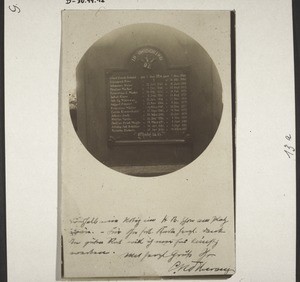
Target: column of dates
<point>183,102</point>
<point>153,105</point>
<point>178,103</point>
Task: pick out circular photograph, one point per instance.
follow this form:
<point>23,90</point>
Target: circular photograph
<point>148,100</point>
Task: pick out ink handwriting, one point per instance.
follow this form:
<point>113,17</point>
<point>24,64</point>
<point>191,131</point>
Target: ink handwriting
<point>184,244</point>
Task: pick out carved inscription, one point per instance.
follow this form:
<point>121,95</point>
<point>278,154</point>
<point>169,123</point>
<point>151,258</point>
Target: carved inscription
<point>124,108</point>
<point>148,106</point>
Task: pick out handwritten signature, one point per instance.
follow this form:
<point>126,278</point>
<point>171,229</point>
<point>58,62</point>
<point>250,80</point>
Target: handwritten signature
<point>197,266</point>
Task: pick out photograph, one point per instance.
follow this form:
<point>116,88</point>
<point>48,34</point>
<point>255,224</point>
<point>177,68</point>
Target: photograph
<point>146,120</point>
<point>148,99</point>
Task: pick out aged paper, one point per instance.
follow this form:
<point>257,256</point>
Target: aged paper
<point>265,173</point>
<point>173,217</point>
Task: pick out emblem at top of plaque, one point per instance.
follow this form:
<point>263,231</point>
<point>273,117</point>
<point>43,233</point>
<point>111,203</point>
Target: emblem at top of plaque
<point>148,59</point>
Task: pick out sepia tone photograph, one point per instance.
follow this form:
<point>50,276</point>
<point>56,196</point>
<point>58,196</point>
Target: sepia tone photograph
<point>148,99</point>
<point>146,143</point>
<point>141,159</point>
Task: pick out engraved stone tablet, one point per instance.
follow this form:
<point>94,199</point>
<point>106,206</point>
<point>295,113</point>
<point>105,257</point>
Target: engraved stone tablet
<point>148,99</point>
<point>149,103</point>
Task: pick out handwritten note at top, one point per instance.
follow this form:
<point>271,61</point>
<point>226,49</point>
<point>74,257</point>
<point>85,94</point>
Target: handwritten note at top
<point>187,245</point>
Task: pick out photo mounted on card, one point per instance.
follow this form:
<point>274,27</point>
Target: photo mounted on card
<point>146,143</point>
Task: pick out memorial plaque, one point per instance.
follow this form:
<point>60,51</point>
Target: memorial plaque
<point>149,99</point>
<point>148,103</point>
